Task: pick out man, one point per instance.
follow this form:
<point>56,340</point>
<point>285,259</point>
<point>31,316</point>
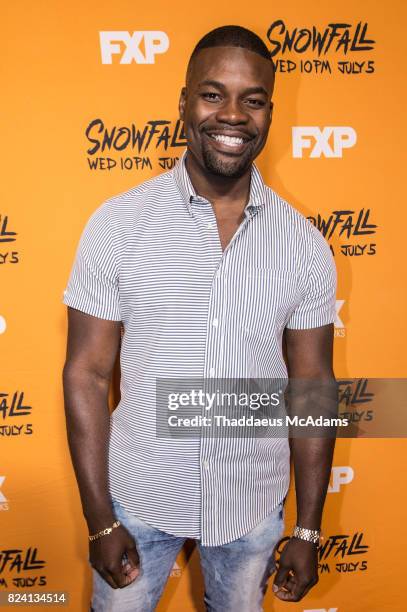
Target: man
<point>204,267</point>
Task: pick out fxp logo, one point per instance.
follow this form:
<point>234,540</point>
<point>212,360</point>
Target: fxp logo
<point>140,46</point>
<point>338,321</point>
<point>175,571</point>
<point>3,499</point>
<point>340,475</point>
<point>339,324</point>
<point>326,142</point>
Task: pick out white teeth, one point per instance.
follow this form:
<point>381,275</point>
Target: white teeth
<point>231,141</point>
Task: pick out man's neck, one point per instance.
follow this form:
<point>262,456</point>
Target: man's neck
<point>218,189</point>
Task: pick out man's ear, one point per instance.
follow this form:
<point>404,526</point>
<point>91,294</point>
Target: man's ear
<point>182,102</point>
<point>271,110</point>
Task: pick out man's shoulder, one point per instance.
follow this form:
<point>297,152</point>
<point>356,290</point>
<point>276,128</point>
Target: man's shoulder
<point>295,226</point>
<point>287,214</point>
<point>134,199</point>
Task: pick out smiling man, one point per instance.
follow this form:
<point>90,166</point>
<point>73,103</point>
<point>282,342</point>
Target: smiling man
<point>201,272</point>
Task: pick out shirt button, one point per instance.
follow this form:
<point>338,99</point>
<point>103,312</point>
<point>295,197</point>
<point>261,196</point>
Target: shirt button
<point>212,372</point>
<point>206,465</point>
<point>211,225</point>
<point>215,322</point>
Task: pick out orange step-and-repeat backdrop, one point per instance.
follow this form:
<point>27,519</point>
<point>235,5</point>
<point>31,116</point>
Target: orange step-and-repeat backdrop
<point>89,94</point>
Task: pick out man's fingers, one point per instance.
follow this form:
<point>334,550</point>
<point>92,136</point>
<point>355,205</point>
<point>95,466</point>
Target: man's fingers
<point>131,566</point>
<point>117,562</point>
<point>297,590</point>
<point>281,578</point>
<point>117,574</point>
<point>289,593</point>
<point>133,556</point>
<point>293,591</point>
<point>108,578</point>
<point>285,595</point>
<point>130,572</point>
<point>128,578</point>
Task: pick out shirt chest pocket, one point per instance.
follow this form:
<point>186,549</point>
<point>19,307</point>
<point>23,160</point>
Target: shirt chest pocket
<point>270,295</point>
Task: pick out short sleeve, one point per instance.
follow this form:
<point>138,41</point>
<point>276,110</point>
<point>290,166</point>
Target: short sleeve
<point>93,285</point>
<point>318,306</point>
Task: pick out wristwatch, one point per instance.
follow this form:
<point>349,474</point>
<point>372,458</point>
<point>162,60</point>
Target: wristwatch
<point>309,535</point>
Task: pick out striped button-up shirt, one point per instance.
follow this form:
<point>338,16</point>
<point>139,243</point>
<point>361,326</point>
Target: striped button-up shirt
<point>152,258</point>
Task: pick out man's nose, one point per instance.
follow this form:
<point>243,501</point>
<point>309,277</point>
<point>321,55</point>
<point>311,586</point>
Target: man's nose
<point>232,112</point>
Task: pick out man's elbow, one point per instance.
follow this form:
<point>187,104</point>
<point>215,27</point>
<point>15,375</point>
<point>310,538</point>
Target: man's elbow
<point>77,375</point>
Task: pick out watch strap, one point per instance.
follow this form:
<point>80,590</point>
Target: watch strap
<point>309,535</point>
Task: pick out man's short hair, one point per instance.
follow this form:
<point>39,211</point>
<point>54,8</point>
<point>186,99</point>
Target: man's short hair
<point>232,36</point>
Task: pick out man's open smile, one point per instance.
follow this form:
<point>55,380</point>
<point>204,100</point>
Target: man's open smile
<point>227,141</point>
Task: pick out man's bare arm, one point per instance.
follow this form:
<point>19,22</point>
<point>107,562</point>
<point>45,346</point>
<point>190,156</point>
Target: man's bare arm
<point>91,353</point>
<point>310,367</point>
<point>309,354</point>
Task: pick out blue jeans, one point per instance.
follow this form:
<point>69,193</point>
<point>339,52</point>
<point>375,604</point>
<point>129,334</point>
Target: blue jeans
<point>235,574</point>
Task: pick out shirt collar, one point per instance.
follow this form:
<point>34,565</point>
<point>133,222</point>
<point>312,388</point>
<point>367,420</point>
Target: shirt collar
<point>257,187</point>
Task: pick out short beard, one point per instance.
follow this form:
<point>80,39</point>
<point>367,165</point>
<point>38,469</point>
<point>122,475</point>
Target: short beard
<point>235,168</point>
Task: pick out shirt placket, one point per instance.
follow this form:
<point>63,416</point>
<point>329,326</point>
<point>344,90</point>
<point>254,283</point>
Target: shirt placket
<point>211,486</point>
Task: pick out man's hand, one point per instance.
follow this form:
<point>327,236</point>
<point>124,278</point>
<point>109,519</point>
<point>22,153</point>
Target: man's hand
<point>298,570</point>
<point>106,557</point>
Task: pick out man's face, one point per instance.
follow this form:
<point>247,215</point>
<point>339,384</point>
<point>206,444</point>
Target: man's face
<point>226,108</point>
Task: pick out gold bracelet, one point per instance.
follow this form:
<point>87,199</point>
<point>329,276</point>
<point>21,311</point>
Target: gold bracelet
<point>104,532</point>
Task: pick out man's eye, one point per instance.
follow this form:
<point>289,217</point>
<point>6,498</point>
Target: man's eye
<point>210,95</point>
<point>255,102</point>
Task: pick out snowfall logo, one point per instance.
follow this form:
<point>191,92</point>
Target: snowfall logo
<point>343,549</point>
<point>347,224</point>
<point>336,38</point>
<point>353,395</point>
<point>354,391</point>
<point>21,561</point>
<point>156,134</point>
<point>13,405</point>
<point>6,237</point>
